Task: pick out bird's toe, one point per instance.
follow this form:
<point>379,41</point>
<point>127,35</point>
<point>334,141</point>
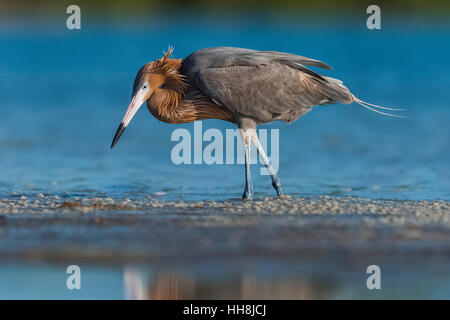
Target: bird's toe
<point>278,189</point>
<point>248,194</point>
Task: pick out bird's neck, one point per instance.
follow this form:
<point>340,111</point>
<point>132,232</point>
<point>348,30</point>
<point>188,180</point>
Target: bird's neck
<point>163,104</point>
<point>177,110</point>
<point>169,104</point>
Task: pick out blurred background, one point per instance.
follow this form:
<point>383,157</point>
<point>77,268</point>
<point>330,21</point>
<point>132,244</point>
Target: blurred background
<point>63,93</point>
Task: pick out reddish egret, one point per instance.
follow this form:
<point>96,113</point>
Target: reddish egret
<point>243,86</point>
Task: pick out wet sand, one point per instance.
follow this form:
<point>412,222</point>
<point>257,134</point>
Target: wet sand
<point>284,246</point>
<point>321,205</point>
<point>121,229</point>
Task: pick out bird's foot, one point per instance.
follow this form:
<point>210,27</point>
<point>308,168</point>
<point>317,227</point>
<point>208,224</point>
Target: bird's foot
<point>248,193</point>
<point>277,186</point>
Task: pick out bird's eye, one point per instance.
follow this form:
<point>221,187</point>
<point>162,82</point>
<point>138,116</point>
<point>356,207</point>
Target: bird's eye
<point>144,86</point>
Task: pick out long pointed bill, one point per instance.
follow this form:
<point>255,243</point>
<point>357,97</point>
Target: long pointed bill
<point>134,106</point>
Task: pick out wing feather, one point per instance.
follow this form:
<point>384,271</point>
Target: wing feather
<point>264,86</point>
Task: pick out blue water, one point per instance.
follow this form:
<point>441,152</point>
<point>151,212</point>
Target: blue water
<point>63,94</point>
<point>225,280</point>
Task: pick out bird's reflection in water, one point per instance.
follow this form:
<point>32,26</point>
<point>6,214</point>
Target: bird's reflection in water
<point>171,285</point>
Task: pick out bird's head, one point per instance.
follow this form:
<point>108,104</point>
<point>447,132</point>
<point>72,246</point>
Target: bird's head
<point>154,78</point>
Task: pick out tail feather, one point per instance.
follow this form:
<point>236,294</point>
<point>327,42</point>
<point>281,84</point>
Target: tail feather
<point>335,91</point>
<point>376,106</point>
<point>366,105</point>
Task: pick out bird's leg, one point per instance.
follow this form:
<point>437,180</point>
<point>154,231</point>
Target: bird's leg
<point>275,180</point>
<point>248,192</point>
<point>247,140</point>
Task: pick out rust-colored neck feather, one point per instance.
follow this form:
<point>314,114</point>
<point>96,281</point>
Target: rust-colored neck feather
<point>169,103</point>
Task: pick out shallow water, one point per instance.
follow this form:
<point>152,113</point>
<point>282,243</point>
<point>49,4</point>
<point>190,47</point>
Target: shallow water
<point>140,226</point>
<point>207,280</point>
<point>64,93</point>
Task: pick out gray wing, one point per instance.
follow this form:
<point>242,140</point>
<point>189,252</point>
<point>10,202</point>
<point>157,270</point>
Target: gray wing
<point>263,85</point>
<point>230,56</point>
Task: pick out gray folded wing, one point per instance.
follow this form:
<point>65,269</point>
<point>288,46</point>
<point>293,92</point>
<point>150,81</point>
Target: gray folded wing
<point>262,85</point>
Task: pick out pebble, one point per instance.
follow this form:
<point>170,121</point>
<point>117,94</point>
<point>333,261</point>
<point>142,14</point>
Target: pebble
<point>388,211</point>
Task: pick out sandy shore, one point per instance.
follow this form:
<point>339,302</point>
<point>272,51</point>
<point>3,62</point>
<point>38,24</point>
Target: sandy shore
<point>102,229</point>
<point>423,211</point>
<point>266,248</point>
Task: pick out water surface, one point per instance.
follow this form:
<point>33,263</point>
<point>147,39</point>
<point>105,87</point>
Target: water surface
<point>64,93</point>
